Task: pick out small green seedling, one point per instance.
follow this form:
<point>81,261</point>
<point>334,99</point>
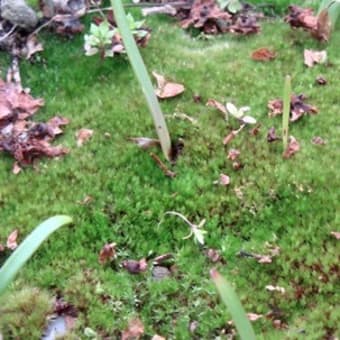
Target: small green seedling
<point>99,40</point>
<point>26,249</point>
<point>195,230</point>
<point>240,113</point>
<point>286,111</point>
<point>231,300</point>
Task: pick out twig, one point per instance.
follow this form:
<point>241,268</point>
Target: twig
<point>37,30</point>
<point>8,33</point>
<point>163,167</point>
<point>167,9</point>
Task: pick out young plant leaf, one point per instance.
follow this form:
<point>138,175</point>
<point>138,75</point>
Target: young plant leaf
<point>26,249</point>
<point>233,303</point>
<point>142,76</point>
<point>286,111</point>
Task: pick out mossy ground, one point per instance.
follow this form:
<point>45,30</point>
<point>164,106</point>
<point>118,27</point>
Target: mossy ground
<point>289,203</point>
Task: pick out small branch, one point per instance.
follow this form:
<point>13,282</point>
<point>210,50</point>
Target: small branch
<point>167,9</point>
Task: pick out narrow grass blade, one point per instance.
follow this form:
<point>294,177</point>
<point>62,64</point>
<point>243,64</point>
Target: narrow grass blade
<point>26,249</point>
<point>233,303</point>
<point>142,76</point>
<point>286,111</point>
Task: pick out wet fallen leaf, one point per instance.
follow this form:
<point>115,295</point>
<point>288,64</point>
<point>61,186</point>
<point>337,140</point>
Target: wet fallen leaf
<point>12,239</point>
<point>217,105</point>
<point>145,142</point>
<point>292,148</point>
<point>107,253</point>
<point>317,140</point>
<point>134,331</point>
<point>167,89</point>
<point>233,154</point>
<point>254,316</point>
<point>263,54</point>
<point>336,234</point>
<point>271,135</point>
<point>83,135</point>
<point>314,57</point>
<point>275,289</point>
<point>135,267</point>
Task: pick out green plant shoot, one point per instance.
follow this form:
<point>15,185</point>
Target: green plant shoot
<point>234,306</point>
<point>286,111</point>
<point>143,77</point>
<point>26,249</point>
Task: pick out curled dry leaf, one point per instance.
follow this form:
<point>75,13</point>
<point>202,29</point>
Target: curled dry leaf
<point>254,316</point>
<point>314,57</point>
<point>317,140</point>
<point>263,54</point>
<point>135,267</point>
<point>134,330</point>
<point>292,148</point>
<point>167,89</point>
<point>336,234</point>
<point>145,142</point>
<point>275,289</point>
<point>12,239</point>
<point>107,253</point>
<point>233,154</point>
<point>83,135</point>
<point>217,105</point>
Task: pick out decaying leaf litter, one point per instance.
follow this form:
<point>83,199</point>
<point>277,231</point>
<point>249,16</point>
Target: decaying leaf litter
<point>140,264</point>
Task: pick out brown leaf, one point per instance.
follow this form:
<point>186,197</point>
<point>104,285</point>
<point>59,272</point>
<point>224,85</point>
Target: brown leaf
<point>275,107</point>
<point>323,26</point>
<point>145,142</point>
<point>254,317</point>
<point>317,140</point>
<point>16,168</point>
<point>271,135</point>
<point>336,234</point>
<point>12,239</point>
<point>83,135</point>
<point>321,80</point>
<point>61,307</point>
<point>167,89</point>
<point>314,57</point>
<point>217,105</point>
<point>134,330</point>
<point>107,253</point>
<point>292,148</point>
<point>263,54</point>
<point>233,154</point>
<point>224,180</point>
<point>213,254</point>
<point>135,267</point>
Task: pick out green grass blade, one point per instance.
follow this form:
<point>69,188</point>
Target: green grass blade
<point>235,308</point>
<point>142,76</point>
<point>333,7</point>
<point>26,249</point>
<point>286,110</point>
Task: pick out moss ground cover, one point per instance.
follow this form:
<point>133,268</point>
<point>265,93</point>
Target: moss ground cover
<point>288,203</point>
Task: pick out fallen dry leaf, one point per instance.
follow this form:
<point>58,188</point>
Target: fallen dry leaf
<point>254,316</point>
<point>263,54</point>
<point>62,307</point>
<point>275,289</point>
<point>292,148</point>
<point>314,57</point>
<point>145,142</point>
<point>217,105</point>
<point>107,253</point>
<point>233,154</point>
<point>336,234</point>
<point>323,26</point>
<point>167,89</point>
<point>83,135</point>
<point>271,135</point>
<point>135,267</point>
<point>134,331</point>
<point>12,239</point>
<point>321,80</point>
<point>213,255</point>
<point>317,140</point>
<point>223,180</point>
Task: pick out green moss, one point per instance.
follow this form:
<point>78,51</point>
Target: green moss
<point>290,203</point>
